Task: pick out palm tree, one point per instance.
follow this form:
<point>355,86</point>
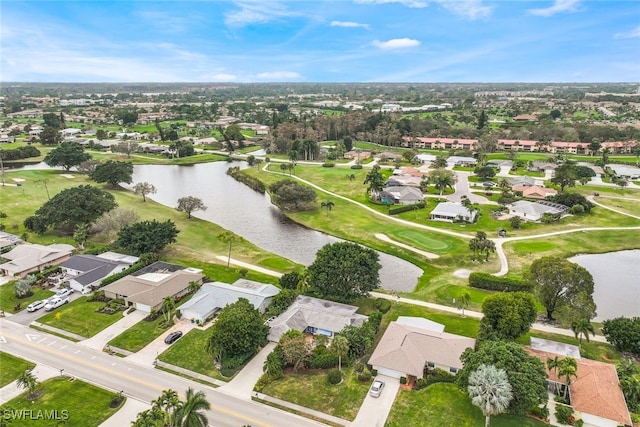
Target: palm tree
<point>189,413</point>
<point>193,287</point>
<point>553,365</point>
<point>375,180</point>
<point>444,181</point>
<point>27,381</point>
<point>166,405</point>
<point>148,418</point>
<point>227,237</point>
<point>463,300</point>
<point>168,304</point>
<point>567,369</point>
<point>488,246</point>
<point>328,205</point>
<point>340,345</point>
<point>490,390</point>
<point>581,328</point>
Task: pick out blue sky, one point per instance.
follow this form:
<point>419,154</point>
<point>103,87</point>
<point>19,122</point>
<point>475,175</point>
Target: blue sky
<point>321,41</point>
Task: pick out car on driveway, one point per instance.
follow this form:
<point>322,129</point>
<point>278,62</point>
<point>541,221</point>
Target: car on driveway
<point>172,337</point>
<point>36,305</point>
<point>376,388</point>
<point>64,292</point>
<point>55,302</point>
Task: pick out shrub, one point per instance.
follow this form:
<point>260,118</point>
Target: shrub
<point>495,283</point>
<point>578,423</point>
<point>542,413</point>
<point>564,413</point>
<point>434,376</point>
<point>322,358</point>
<point>407,208</point>
<point>334,377</point>
<point>364,376</point>
<point>328,165</point>
<point>374,372</point>
<point>576,209</point>
<point>359,367</point>
<point>383,305</point>
<point>356,166</point>
<point>403,380</point>
<point>623,333</point>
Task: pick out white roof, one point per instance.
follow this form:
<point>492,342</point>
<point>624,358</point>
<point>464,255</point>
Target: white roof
<point>451,209</point>
<point>421,323</point>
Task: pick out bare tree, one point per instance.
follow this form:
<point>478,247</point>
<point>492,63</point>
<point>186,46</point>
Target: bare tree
<point>190,204</point>
<point>144,188</point>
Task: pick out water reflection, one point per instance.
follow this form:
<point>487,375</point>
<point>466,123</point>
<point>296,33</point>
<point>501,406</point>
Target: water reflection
<point>251,215</point>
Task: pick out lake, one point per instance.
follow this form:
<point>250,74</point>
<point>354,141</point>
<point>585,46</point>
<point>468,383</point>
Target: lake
<point>617,282</point>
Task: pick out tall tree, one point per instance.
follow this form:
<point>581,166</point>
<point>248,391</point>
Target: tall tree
<point>168,305</point>
<point>113,173</point>
<point>190,412</point>
<point>463,300</point>
<point>344,271</point>
<point>376,182</point>
<point>489,389</point>
<point>110,223</point>
<point>126,147</point>
<point>27,381</point>
<point>565,175</point>
<point>560,282</point>
<point>50,136</point>
<point>238,332</point>
<point>289,195</point>
<point>190,204</point>
<point>507,315</point>
<point>74,206</point>
<point>294,348</point>
<point>328,205</point>
<point>68,154</point>
<point>567,369</point>
<point>443,182</point>
<point>581,329</point>
<point>340,346</point>
<point>147,236</point>
<point>527,375</point>
<point>144,188</point>
<point>227,237</point>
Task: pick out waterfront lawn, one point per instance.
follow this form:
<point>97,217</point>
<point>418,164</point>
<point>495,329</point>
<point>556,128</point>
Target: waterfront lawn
<point>80,317</point>
<point>8,298</point>
<point>444,404</point>
<point>12,368</point>
<point>594,350</point>
<point>629,204</point>
<point>311,389</point>
<point>139,335</point>
<point>189,353</point>
<point>59,395</point>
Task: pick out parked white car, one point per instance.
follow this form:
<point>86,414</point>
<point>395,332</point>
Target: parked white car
<point>36,305</point>
<point>55,302</point>
<point>64,292</point>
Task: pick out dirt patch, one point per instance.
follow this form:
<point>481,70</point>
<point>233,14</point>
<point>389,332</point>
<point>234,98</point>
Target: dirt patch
<point>462,273</point>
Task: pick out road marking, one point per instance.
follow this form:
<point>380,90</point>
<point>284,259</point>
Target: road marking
<point>93,357</point>
<point>63,347</point>
<point>31,337</point>
<point>51,343</point>
<point>42,340</point>
<point>3,340</point>
<point>100,367</point>
<point>113,364</point>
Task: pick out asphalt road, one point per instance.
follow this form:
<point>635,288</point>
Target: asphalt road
<point>136,381</point>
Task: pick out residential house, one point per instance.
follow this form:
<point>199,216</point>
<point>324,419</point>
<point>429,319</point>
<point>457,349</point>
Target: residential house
<point>404,195</point>
<point>526,181</point>
<point>357,155</point>
<point>5,138</point>
<point>315,316</point>
<point>425,158</point>
<point>409,171</point>
<point>388,156</point>
<point>85,272</point>
<point>450,212</point>
<point>534,211</point>
<point>403,180</point>
<point>70,132</point>
<point>8,240</point>
<point>146,289</point>
<point>534,191</point>
<point>518,145</point>
<point>625,171</point>
<point>594,393</point>
<point>28,258</point>
<point>211,298</point>
<point>461,161</point>
<point>569,147</point>
<point>525,118</point>
<point>620,147</point>
<point>543,166</point>
<point>412,346</point>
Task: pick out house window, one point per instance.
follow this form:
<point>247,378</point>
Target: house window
<point>431,365</point>
<point>453,371</point>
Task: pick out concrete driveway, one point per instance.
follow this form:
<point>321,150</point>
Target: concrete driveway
<point>25,318</point>
<point>150,353</point>
<point>374,410</point>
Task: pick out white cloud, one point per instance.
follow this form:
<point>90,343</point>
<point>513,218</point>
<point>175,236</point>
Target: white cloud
<point>396,43</point>
<point>279,75</point>
<point>470,9</point>
<point>558,6</point>
<point>256,13</point>
<point>629,34</point>
<point>409,3</point>
<point>348,24</point>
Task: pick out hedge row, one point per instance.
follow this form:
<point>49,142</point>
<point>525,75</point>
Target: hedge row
<point>135,267</point>
<point>496,283</point>
<point>407,208</point>
<point>251,181</point>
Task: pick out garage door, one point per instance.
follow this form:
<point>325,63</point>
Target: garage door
<point>389,372</point>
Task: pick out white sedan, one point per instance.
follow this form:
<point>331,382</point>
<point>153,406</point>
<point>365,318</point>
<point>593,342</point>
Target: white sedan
<point>37,305</point>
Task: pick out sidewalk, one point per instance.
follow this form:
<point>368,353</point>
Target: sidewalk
<point>11,390</point>
<point>242,384</point>
<point>126,414</point>
<point>100,340</point>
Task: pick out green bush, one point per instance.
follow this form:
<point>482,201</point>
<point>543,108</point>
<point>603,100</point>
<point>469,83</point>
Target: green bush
<point>564,414</point>
<point>328,165</point>
<point>359,367</point>
<point>495,283</point>
<point>434,376</point>
<point>407,208</point>
<point>356,166</point>
<point>364,376</point>
<point>383,305</point>
<point>374,372</point>
<point>542,413</point>
<point>322,358</point>
<point>403,380</point>
<point>334,377</point>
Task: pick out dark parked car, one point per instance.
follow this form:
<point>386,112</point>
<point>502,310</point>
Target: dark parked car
<point>173,337</point>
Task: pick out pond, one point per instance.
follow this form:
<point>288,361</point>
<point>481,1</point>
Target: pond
<point>617,282</point>
<point>251,215</point>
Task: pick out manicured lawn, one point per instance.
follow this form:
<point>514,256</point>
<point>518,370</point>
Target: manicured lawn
<point>594,350</point>
<point>12,368</point>
<point>342,400</point>
<point>446,405</point>
<point>454,324</point>
<point>8,298</point>
<point>189,353</point>
<point>80,317</point>
<point>60,395</point>
<point>629,204</point>
<point>139,335</point>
